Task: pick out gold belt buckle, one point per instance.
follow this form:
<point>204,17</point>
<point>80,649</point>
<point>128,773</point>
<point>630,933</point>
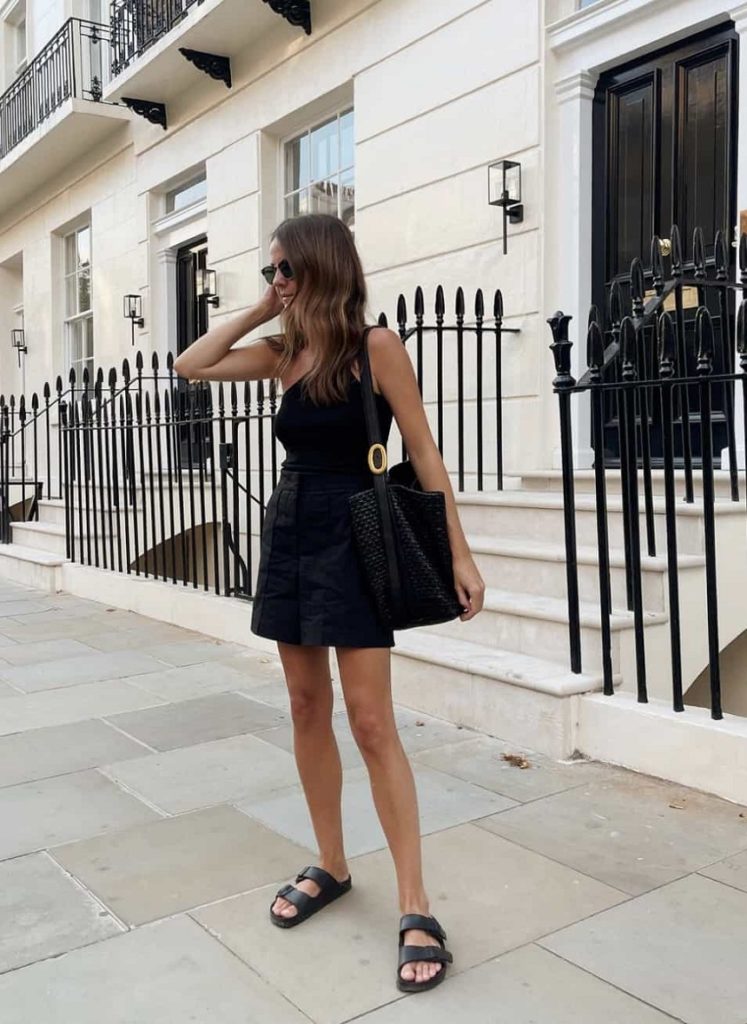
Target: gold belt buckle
<point>371,456</point>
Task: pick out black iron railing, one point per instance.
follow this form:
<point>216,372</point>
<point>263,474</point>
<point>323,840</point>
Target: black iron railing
<point>160,478</point>
<point>74,63</point>
<point>661,377</point>
<point>137,24</point>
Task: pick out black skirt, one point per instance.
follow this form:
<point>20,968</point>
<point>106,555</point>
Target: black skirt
<point>310,588</point>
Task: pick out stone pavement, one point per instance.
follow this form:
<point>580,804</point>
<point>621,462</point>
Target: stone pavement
<point>149,809</point>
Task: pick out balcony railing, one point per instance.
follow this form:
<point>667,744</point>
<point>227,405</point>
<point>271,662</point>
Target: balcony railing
<point>74,63</point>
<point>138,24</point>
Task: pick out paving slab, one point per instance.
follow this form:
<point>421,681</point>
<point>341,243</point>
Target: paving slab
<point>143,633</point>
<point>46,812</point>
<point>192,652</point>
<point>168,973</point>
<point>480,759</point>
<point>43,912</point>
<point>20,606</point>
<point>199,720</point>
<point>191,681</point>
<point>355,939</point>
<point>60,749</point>
<point>630,831</point>
<point>221,771</point>
<point>86,668</point>
<point>526,986</point>
<point>154,870</point>
<point>416,731</point>
<point>42,651</point>
<point>680,948</point>
<point>274,693</point>
<point>731,871</point>
<point>443,802</point>
<point>8,691</point>
<point>71,704</point>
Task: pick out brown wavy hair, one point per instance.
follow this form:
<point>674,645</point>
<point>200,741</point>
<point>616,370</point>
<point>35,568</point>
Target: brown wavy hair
<point>328,311</point>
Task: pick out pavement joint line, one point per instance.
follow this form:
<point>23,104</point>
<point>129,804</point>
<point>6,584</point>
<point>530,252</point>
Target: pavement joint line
<point>138,796</point>
<point>89,892</point>
<point>606,981</point>
<point>720,881</point>
<point>123,732</point>
<point>253,970</point>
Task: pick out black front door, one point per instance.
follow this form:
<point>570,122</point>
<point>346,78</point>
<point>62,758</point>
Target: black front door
<point>192,409</point>
<point>665,153</point>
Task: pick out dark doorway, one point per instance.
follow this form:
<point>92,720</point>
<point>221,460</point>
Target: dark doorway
<point>665,152</point>
<point>192,404</point>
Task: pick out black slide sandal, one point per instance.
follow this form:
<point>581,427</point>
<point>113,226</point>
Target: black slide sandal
<point>411,954</point>
<point>306,906</point>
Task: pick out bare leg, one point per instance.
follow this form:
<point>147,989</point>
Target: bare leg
<point>366,682</point>
<point>318,759</point>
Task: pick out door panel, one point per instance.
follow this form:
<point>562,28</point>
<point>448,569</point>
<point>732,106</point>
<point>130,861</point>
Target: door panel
<point>664,135</point>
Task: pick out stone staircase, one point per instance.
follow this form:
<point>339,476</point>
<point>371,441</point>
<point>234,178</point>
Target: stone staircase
<point>507,671</point>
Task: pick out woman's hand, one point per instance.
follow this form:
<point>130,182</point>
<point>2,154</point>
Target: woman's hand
<point>469,585</point>
<point>271,304</point>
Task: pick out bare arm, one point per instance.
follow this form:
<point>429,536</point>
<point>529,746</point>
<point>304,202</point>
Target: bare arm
<point>212,356</point>
<point>394,372</point>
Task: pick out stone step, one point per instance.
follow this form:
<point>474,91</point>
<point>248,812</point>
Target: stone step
<point>538,516</point>
<point>527,623</point>
<point>31,567</point>
<point>537,567</point>
<point>584,481</point>
<point>526,700</point>
<point>47,537</point>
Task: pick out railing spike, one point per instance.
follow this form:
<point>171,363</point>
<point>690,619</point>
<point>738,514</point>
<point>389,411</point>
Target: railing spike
<point>721,257</point>
<point>594,317</point>
<point>154,362</point>
<point>479,304</point>
<point>561,349</point>
<point>594,350</point>
<point>419,302</point>
<point>699,253</point>
<point>58,385</point>
<point>440,302</point>
<point>704,334</point>
<point>71,375</point>
<point>139,361</point>
<point>401,311</point>
<point>615,303</point>
<point>169,361</point>
<point>112,378</point>
<point>382,321</point>
<point>126,371</point>
<point>628,348</point>
<point>459,303</point>
<point>667,345</point>
<point>498,305</point>
<point>46,391</point>
<point>34,401</point>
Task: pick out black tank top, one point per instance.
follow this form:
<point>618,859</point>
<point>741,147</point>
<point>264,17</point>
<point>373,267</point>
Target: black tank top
<point>327,438</point>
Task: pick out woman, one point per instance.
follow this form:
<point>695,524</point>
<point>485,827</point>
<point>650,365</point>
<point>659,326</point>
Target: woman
<point>310,593</point>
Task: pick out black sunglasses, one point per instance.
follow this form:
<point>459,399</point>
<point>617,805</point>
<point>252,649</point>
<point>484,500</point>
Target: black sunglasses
<point>268,272</point>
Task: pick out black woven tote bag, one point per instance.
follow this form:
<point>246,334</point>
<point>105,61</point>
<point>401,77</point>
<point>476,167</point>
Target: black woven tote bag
<point>400,534</point>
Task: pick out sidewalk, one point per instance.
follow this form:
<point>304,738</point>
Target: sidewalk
<point>149,809</point>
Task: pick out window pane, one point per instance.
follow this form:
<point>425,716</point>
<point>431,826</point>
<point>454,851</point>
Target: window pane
<point>347,198</point>
<point>325,156</point>
<point>323,197</point>
<point>70,255</point>
<point>84,247</point>
<point>347,140</point>
<point>88,338</point>
<point>84,290</point>
<point>71,305</point>
<point>186,194</point>
<point>297,169</point>
<point>297,204</point>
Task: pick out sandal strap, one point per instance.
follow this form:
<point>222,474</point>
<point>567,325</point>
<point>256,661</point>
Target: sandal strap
<point>423,924</point>
<point>410,954</point>
<point>300,899</point>
<point>322,878</point>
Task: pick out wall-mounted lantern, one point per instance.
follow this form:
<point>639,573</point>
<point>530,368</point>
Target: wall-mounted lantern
<point>504,189</point>
<point>206,287</point>
<point>133,311</point>
<point>18,340</point>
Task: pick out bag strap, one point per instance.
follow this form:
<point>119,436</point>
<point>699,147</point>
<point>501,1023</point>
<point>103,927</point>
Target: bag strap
<point>373,430</point>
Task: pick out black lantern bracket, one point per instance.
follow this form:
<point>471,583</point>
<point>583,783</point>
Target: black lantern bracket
<point>504,190</point>
<point>133,311</point>
<point>212,64</point>
<point>206,287</point>
<point>149,109</point>
<point>18,340</point>
<point>297,12</point>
